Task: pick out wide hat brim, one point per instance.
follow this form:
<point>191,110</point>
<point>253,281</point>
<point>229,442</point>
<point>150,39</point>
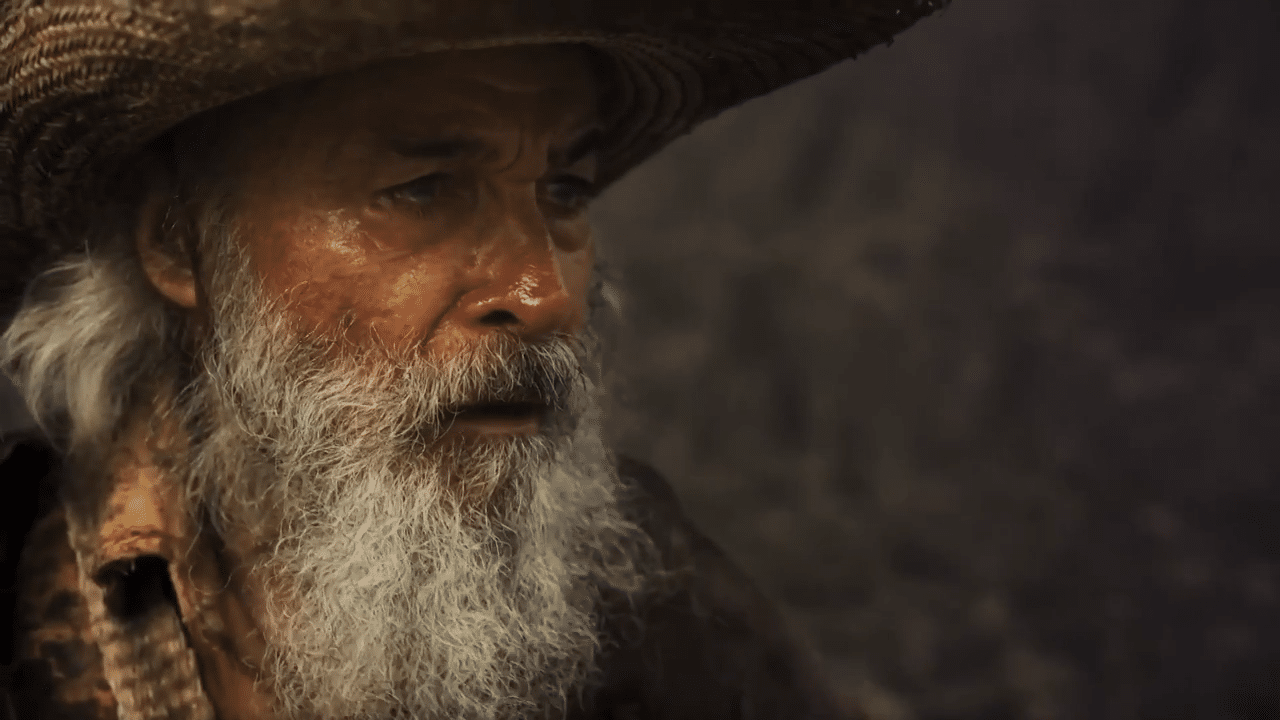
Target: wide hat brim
<point>84,84</point>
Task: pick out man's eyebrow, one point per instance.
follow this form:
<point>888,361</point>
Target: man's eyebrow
<point>436,148</point>
<point>586,143</point>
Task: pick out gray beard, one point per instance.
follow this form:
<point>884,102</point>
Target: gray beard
<point>404,573</point>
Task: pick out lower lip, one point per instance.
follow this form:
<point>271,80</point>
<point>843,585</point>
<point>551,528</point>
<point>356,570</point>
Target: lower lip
<point>495,425</point>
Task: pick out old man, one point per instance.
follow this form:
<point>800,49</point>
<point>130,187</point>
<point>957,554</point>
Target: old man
<point>302,295</point>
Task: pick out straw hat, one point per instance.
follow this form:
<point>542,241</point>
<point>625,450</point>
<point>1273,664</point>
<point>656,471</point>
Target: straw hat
<point>84,84</point>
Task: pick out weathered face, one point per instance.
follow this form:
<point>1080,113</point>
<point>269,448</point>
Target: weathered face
<point>426,203</point>
<point>418,531</point>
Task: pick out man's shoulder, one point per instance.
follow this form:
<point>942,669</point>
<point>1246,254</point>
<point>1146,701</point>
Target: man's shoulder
<point>648,498</point>
<point>636,473</point>
<point>714,646</point>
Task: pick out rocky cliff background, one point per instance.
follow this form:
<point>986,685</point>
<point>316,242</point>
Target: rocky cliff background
<point>969,351</point>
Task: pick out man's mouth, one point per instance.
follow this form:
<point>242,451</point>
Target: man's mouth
<point>499,418</point>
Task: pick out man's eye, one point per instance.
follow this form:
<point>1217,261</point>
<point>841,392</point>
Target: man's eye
<point>571,192</point>
<point>419,191</point>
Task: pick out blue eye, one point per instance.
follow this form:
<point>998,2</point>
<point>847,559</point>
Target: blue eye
<point>571,192</point>
<point>419,191</point>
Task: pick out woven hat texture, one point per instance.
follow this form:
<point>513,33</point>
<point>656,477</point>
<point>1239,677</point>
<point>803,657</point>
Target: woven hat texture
<point>84,84</point>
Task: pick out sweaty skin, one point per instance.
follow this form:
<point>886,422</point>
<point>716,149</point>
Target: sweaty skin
<point>423,203</point>
<point>417,205</point>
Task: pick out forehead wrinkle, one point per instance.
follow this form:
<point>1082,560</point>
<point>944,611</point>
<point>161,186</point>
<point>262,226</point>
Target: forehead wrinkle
<point>434,137</point>
<point>490,147</point>
<point>470,130</point>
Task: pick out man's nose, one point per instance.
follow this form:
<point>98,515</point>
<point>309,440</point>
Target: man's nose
<point>519,284</point>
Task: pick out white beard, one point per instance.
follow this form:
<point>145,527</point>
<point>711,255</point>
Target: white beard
<point>403,576</point>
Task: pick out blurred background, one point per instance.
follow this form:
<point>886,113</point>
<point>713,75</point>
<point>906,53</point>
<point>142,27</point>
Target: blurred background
<point>969,352</point>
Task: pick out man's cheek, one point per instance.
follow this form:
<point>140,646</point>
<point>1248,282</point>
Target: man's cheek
<point>576,272</point>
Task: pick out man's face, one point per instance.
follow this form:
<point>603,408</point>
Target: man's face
<point>395,422</point>
<point>426,204</point>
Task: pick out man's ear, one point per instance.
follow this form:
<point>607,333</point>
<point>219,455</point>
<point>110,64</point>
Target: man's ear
<point>167,267</point>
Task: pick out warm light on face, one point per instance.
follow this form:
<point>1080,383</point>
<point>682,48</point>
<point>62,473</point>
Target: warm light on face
<point>428,202</point>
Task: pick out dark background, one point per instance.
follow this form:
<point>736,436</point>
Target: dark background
<point>969,351</point>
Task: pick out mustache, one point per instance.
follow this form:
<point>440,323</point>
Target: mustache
<point>503,373</point>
